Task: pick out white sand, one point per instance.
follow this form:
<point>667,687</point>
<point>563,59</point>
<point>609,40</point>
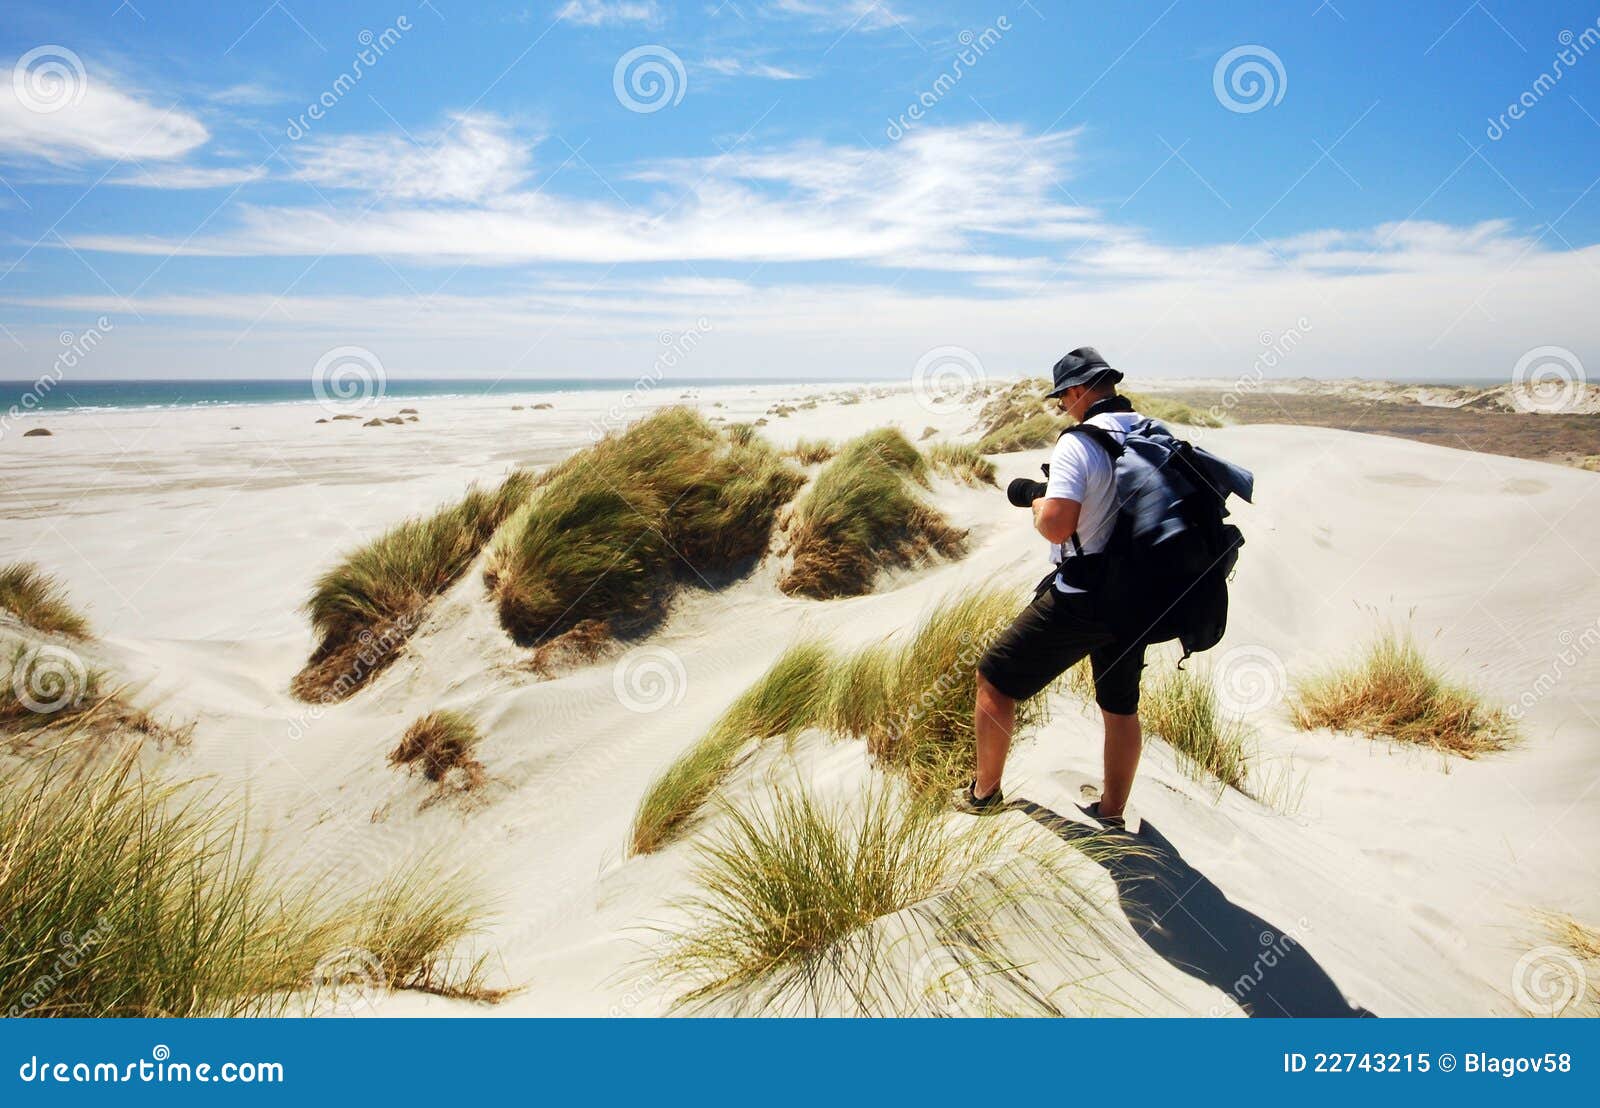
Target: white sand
<point>1409,878</point>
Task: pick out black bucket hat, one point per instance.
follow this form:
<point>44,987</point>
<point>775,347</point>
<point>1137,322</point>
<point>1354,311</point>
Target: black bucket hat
<point>1083,366</point>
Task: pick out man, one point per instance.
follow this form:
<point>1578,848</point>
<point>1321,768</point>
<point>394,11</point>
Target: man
<point>1072,617</point>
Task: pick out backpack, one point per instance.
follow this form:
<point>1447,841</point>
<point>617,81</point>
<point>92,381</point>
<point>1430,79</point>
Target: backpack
<point>1171,551</point>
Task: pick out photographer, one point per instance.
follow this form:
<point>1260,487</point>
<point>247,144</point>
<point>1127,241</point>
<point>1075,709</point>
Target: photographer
<point>1072,615</point>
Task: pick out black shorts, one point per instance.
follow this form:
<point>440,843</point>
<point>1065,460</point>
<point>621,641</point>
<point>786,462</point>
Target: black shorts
<point>1052,635</point>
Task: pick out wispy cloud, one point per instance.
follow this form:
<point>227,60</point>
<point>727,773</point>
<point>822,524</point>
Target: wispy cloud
<point>741,67</point>
<point>861,15</point>
<point>188,177</point>
<point>474,158</point>
<point>610,13</point>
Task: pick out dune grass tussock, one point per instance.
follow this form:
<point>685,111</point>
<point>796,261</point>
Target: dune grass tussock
<point>51,690</point>
<point>616,528</point>
<point>440,745</point>
<point>878,908</point>
<point>1567,993</point>
<point>1171,411</point>
<point>961,461</point>
<point>1391,690</point>
<point>811,452</point>
<point>911,701</point>
<point>1020,418</point>
<point>1181,706</point>
<point>39,601</point>
<point>864,514</point>
<point>366,607</point>
<point>782,702</point>
<point>125,898</point>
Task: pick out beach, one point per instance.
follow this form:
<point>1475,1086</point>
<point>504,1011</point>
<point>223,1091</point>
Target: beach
<point>1409,879</point>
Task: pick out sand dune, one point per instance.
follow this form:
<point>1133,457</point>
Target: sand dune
<point>1402,882</point>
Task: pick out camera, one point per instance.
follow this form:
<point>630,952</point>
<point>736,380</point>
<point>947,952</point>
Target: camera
<point>1024,490</point>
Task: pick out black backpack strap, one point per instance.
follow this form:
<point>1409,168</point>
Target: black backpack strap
<point>1107,442</point>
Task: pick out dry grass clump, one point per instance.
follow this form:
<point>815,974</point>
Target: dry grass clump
<point>879,908</point>
<point>1019,417</point>
<point>124,898</point>
<point>1181,706</point>
<point>1568,993</point>
<point>617,527</point>
<point>810,452</point>
<point>366,607</point>
<point>441,746</point>
<point>962,461</point>
<point>1171,411</point>
<point>863,514</point>
<point>1391,690</point>
<point>782,702</point>
<point>51,690</point>
<point>39,601</point>
<point>912,702</point>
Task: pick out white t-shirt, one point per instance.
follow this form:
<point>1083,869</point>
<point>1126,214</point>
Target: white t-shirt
<point>1080,470</point>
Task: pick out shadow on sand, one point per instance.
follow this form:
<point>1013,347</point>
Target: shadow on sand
<point>1187,920</point>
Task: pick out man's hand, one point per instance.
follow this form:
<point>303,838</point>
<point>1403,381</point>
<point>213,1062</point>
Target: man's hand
<point>1056,517</point>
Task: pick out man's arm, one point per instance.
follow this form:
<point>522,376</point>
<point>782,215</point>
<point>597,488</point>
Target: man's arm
<point>1055,517</point>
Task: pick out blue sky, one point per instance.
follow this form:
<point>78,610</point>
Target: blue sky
<point>501,189</point>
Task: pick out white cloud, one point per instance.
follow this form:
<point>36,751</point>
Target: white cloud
<point>859,15</point>
<point>474,158</point>
<point>739,67</point>
<point>609,13</point>
<point>247,93</point>
<point>55,109</point>
<point>189,177</point>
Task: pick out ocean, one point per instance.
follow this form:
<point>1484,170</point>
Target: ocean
<point>102,395</point>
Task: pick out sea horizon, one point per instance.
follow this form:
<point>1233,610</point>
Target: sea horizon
<point>110,394</point>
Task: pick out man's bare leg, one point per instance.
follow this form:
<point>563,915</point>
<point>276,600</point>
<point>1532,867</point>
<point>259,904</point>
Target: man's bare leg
<point>1123,742</point>
<point>996,715</point>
